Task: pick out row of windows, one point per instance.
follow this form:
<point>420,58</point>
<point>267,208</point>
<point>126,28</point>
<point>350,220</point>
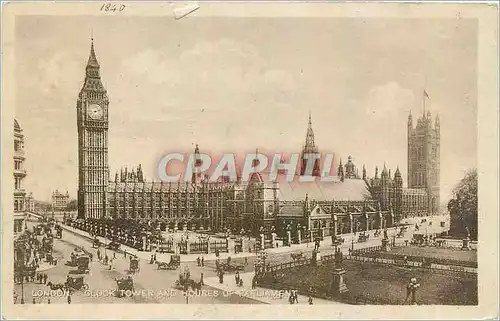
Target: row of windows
<point>95,158</point>
<point>121,203</point>
<point>18,165</point>
<point>96,139</point>
<point>18,183</point>
<point>18,205</point>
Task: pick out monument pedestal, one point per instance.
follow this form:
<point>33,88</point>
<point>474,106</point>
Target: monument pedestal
<point>386,245</point>
<point>315,257</point>
<point>338,284</point>
<point>466,244</point>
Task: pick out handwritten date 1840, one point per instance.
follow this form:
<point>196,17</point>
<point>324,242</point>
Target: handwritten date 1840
<point>111,7</point>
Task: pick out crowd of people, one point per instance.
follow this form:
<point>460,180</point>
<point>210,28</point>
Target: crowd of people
<point>132,233</point>
<point>30,252</point>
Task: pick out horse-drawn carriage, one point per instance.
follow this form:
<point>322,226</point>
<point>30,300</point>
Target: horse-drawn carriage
<point>96,243</point>
<point>175,261</point>
<point>401,232</point>
<point>74,257</point>
<point>58,229</point>
<point>124,284</point>
<point>76,282</point>
<point>228,266</point>
<point>82,262</point>
<point>418,239</point>
<point>363,237</point>
<point>134,265</point>
<point>298,256</point>
<point>114,246</point>
<point>185,282</point>
<point>232,267</point>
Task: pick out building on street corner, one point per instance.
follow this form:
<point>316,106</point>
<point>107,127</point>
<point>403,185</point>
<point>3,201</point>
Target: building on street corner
<point>19,175</point>
<point>60,200</point>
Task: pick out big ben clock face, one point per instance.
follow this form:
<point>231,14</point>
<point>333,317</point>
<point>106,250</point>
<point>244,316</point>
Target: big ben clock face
<point>95,111</point>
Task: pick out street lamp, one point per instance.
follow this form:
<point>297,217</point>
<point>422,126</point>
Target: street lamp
<point>352,245</point>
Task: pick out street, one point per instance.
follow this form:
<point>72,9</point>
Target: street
<point>150,285</point>
<point>157,286</point>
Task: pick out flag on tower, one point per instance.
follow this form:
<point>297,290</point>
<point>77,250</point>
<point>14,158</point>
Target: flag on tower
<point>426,95</point>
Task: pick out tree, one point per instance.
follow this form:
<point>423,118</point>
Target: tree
<point>72,205</point>
<point>463,207</point>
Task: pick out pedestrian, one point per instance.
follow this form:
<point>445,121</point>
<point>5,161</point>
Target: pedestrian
<point>246,261</point>
<point>48,301</point>
<point>295,296</point>
<point>202,261</point>
<point>45,277</point>
<point>198,261</point>
<point>310,300</point>
<point>114,255</point>
<point>34,301</point>
<point>69,299</point>
<point>201,279</point>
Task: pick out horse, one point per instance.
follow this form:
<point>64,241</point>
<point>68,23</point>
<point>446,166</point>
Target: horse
<point>195,285</point>
<point>58,286</point>
<point>162,265</point>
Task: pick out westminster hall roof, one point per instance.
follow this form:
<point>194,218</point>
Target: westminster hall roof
<point>348,190</point>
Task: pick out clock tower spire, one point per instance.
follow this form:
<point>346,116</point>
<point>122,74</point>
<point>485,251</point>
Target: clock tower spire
<point>92,122</point>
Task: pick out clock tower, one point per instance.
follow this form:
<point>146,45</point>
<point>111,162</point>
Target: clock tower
<point>92,122</point>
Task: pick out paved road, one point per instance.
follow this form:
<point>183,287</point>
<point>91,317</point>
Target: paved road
<point>151,285</point>
<point>157,285</point>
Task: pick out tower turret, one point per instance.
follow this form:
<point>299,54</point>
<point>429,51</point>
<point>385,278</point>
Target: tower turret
<point>92,122</point>
<point>309,149</point>
<point>424,157</point>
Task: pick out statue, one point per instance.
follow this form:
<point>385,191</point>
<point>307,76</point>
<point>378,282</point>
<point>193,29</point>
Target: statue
<point>338,259</point>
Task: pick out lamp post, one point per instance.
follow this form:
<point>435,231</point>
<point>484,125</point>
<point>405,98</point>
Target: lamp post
<point>352,245</point>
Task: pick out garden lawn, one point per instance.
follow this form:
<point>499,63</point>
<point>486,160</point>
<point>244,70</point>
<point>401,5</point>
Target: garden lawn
<point>376,283</point>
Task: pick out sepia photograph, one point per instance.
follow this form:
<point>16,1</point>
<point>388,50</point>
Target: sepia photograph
<point>204,158</point>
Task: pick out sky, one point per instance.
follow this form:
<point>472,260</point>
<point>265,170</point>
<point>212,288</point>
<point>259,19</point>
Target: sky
<point>237,84</point>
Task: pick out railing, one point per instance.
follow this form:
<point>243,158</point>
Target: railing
<point>198,247</point>
<point>367,250</point>
<point>221,246</point>
<point>404,263</point>
<point>372,252</point>
<point>286,266</point>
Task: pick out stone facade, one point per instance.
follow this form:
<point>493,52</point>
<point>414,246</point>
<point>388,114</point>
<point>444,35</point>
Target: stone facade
<point>60,200</point>
<point>19,176</point>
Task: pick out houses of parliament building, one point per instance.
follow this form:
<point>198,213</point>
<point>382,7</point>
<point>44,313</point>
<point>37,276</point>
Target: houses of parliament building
<point>355,202</point>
